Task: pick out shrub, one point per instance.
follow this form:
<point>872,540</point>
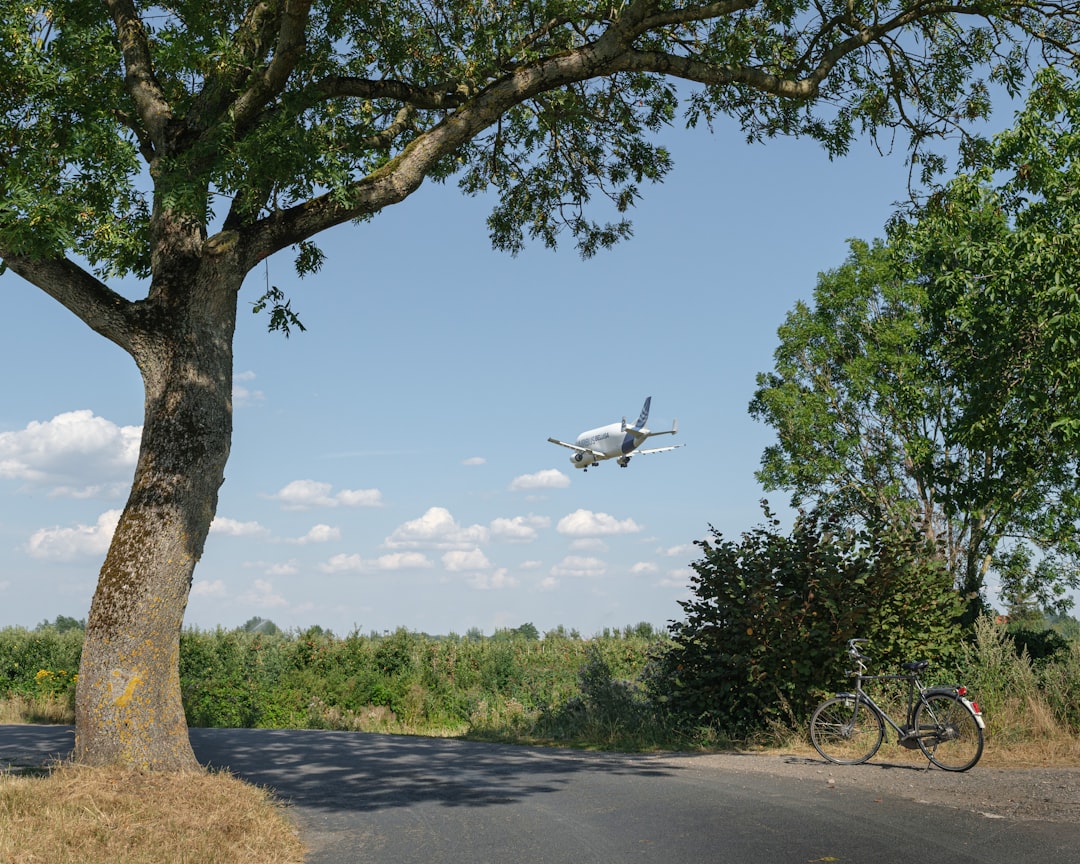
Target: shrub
<point>763,636</point>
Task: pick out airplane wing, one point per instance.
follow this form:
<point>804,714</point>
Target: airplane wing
<point>596,453</point>
<point>655,450</point>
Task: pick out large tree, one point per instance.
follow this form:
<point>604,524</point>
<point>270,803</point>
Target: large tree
<point>934,381</point>
<point>184,142</point>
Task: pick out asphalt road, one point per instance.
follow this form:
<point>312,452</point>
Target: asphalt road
<point>373,798</point>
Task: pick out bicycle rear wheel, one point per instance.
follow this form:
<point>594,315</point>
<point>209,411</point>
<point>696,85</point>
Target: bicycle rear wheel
<point>845,730</point>
<point>948,733</point>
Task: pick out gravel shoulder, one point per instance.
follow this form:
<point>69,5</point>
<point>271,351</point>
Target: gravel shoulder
<point>1046,794</point>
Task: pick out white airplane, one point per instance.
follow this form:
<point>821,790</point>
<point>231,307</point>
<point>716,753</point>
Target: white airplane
<point>615,440</point>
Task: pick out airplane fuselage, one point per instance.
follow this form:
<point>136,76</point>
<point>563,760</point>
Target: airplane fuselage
<point>611,440</point>
<point>614,441</point>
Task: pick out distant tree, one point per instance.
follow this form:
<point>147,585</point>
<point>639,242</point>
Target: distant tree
<point>528,631</point>
<point>256,624</point>
<point>181,144</point>
<point>63,624</point>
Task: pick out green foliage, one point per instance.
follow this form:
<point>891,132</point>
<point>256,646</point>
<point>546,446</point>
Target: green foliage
<point>608,711</point>
<point>26,654</point>
<point>763,635</point>
<point>935,377</point>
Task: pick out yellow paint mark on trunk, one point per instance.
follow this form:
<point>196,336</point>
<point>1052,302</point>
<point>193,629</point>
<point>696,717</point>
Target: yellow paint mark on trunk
<point>125,697</point>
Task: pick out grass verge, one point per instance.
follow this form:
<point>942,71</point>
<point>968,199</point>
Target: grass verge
<point>75,815</point>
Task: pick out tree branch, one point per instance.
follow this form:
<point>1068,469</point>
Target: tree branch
<point>97,305</point>
<point>139,78</point>
<point>291,42</point>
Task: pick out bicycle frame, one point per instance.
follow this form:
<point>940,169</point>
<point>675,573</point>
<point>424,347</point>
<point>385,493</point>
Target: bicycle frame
<point>942,722</point>
<point>907,732</point>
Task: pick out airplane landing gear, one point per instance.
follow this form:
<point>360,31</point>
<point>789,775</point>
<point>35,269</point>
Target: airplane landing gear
<point>623,461</point>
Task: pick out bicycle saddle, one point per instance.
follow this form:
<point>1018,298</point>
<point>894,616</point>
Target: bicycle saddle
<point>916,666</point>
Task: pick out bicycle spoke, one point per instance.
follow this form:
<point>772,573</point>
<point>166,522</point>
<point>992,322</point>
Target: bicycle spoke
<point>947,732</point>
<point>845,731</point>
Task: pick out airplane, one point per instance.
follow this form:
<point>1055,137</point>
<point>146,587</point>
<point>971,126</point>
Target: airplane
<point>615,441</point>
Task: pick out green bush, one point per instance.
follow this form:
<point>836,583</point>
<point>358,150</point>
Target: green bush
<point>764,634</point>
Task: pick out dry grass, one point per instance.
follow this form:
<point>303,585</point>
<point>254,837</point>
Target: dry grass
<point>75,815</point>
<point>36,709</point>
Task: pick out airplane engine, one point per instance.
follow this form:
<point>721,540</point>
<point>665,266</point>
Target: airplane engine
<point>582,460</point>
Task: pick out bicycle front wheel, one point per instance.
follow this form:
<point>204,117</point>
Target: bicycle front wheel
<point>845,730</point>
<point>947,732</point>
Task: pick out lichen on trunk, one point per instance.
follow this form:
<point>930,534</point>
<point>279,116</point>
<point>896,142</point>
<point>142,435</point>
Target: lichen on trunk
<point>128,701</point>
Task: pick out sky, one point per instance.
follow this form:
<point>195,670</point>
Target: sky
<point>390,465</point>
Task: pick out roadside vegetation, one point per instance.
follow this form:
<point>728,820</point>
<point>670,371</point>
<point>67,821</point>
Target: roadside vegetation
<point>632,689</point>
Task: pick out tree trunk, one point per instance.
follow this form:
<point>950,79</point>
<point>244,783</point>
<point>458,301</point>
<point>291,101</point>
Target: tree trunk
<point>128,708</point>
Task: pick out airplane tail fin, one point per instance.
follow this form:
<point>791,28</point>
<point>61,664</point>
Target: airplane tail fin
<point>644,418</point>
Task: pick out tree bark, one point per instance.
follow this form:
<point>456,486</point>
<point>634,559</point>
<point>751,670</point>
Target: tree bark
<point>128,707</point>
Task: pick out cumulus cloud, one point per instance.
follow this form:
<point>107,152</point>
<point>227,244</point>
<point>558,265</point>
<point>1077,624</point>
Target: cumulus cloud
<point>644,567</point>
<point>357,564</point>
<point>76,453</point>
<point>319,534</point>
<point>519,529</point>
<point>282,568</point>
<point>495,581</point>
<point>261,595</point>
<point>579,566</point>
<point>475,460</point>
<point>66,544</point>
<point>685,550</point>
<point>308,494</point>
<point>552,478</point>
<point>457,560</point>
<point>436,529</point>
<point>235,528</point>
<point>675,579</point>
<point>588,544</point>
<point>244,395</point>
<point>585,523</point>
<point>214,590</point>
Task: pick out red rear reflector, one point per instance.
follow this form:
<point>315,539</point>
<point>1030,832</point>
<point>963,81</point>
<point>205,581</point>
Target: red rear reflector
<point>961,691</point>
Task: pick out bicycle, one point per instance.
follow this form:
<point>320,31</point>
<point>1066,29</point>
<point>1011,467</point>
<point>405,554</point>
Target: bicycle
<point>942,722</point>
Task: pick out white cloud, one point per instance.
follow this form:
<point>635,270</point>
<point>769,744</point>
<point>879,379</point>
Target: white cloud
<point>644,567</point>
<point>65,544</point>
<point>496,581</point>
<point>436,529</point>
<point>589,544</point>
<point>675,579</point>
<point>201,588</point>
<point>579,566</point>
<point>475,460</point>
<point>357,564</point>
<point>457,560</point>
<point>549,583</point>
<point>585,523</point>
<point>307,494</point>
<point>552,478</point>
<point>242,394</point>
<point>78,454</point>
<point>520,529</point>
<point>683,551</point>
<point>319,534</point>
<point>262,596</point>
<point>281,568</point>
<point>235,528</point>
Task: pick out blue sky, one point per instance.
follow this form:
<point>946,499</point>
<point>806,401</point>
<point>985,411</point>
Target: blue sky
<point>390,466</point>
